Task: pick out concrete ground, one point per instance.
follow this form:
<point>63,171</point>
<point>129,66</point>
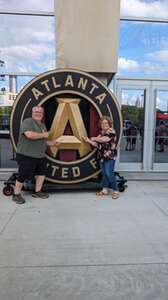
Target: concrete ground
<point>78,246</point>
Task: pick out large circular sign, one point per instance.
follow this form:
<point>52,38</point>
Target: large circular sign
<point>73,102</point>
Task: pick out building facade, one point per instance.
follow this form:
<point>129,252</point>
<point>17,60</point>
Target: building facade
<point>142,91</point>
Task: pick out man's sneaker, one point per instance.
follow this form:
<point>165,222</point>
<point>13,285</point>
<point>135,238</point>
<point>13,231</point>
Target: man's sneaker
<point>18,199</point>
<point>40,194</point>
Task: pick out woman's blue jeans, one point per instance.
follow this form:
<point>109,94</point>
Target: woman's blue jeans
<point>108,176</point>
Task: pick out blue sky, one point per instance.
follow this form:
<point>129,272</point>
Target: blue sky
<point>143,49</point>
<point>27,43</point>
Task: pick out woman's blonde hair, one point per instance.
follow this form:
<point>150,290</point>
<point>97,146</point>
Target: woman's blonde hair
<point>108,119</point>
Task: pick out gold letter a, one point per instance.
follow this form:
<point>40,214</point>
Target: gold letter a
<point>68,110</point>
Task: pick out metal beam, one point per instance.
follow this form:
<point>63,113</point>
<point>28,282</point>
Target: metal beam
<point>18,74</point>
<point>51,14</point>
<point>117,77</point>
<point>145,78</point>
<point>28,13</point>
<point>144,19</point>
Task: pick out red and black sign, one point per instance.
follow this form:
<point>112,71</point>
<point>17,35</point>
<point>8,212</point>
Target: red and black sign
<point>92,99</point>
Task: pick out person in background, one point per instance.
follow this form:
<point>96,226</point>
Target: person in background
<point>162,133</point>
<point>133,135</point>
<point>128,136</point>
<point>30,154</point>
<point>106,143</point>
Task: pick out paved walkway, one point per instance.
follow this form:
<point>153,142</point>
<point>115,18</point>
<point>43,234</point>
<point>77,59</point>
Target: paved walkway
<point>77,246</point>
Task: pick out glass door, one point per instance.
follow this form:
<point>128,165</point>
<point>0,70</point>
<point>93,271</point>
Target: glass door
<point>160,139</point>
<point>134,99</point>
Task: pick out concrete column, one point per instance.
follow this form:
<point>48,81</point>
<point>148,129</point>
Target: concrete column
<point>13,84</point>
<point>87,35</point>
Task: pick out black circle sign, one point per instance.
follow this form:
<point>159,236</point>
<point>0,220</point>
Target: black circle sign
<point>90,94</point>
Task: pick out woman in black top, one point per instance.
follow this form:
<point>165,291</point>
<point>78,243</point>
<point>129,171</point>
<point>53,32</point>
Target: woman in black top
<point>106,143</point>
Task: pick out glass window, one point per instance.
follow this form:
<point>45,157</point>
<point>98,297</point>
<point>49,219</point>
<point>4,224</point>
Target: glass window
<point>27,43</point>
<point>131,148</point>
<point>7,155</point>
<point>161,127</point>
<point>143,49</point>
<point>144,8</point>
<point>4,82</point>
<point>19,82</point>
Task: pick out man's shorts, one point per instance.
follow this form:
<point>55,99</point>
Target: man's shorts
<point>30,167</point>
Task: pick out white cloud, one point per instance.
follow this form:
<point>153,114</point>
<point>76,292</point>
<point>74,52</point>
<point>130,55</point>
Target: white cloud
<point>144,8</point>
<point>43,36</point>
<point>28,43</point>
<point>130,98</point>
<point>146,68</point>
<point>128,64</point>
<point>125,98</point>
<point>35,5</point>
<point>23,69</point>
<point>28,53</point>
<point>161,56</point>
<point>151,69</point>
<point>21,29</point>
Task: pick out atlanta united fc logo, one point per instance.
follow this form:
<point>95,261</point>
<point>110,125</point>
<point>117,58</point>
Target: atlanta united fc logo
<point>73,102</point>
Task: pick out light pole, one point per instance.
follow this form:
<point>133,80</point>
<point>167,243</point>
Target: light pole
<point>2,64</point>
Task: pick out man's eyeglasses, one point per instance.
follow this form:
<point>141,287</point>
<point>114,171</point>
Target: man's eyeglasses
<point>38,112</point>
